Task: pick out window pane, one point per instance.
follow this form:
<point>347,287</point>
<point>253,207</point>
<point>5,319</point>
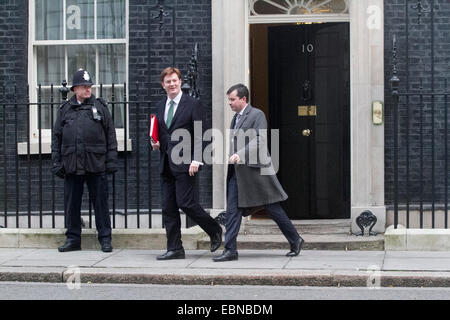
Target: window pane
<point>111,60</point>
<point>81,57</point>
<point>111,19</point>
<point>49,20</point>
<point>50,65</point>
<point>80,19</point>
<point>118,112</point>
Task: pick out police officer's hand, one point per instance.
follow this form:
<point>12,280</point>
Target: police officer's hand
<point>155,146</point>
<point>111,170</point>
<point>60,173</point>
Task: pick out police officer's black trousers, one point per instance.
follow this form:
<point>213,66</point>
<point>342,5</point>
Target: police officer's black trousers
<point>98,193</point>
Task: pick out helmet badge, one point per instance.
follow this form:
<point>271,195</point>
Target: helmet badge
<point>86,76</point>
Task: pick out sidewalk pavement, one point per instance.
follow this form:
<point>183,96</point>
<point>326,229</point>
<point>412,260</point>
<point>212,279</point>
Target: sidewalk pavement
<point>254,267</point>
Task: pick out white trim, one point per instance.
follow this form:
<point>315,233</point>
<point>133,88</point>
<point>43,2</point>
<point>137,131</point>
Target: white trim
<point>290,6</point>
<point>32,73</point>
<point>247,46</point>
<point>95,19</point>
<point>77,42</point>
<point>22,147</point>
<point>127,38</point>
<point>281,18</point>
<point>96,71</point>
<point>64,20</point>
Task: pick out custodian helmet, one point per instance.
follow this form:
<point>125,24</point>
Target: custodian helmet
<point>81,78</point>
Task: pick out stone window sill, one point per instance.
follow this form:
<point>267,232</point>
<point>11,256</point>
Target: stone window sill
<point>46,147</point>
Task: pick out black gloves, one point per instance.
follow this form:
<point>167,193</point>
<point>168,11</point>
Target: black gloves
<point>111,170</point>
<point>60,172</point>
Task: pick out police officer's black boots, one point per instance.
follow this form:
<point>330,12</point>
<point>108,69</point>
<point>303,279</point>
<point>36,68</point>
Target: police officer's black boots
<point>69,246</point>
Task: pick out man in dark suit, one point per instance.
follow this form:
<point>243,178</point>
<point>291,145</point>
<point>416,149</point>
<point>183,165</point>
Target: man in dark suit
<point>177,115</point>
<point>251,179</point>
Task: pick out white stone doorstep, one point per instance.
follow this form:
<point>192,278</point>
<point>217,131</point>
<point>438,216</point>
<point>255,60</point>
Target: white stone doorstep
<point>402,239</point>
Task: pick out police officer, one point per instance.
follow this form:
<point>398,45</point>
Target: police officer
<point>84,149</point>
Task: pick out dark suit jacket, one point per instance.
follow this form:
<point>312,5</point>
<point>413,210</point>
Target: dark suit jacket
<point>189,146</point>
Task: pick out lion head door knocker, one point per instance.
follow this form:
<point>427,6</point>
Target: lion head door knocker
<point>364,220</point>
<point>306,91</point>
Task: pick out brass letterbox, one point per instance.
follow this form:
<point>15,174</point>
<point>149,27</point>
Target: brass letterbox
<point>305,111</point>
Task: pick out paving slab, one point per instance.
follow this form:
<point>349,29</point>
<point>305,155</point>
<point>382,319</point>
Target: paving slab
<point>14,252</point>
<point>342,255</point>
<point>417,264</point>
<point>49,263</point>
<point>338,260</point>
<point>55,254</point>
<point>418,254</point>
<point>136,259</point>
<point>248,259</point>
<point>53,258</point>
<point>7,254</point>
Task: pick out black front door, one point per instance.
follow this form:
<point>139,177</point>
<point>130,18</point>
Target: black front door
<point>309,101</point>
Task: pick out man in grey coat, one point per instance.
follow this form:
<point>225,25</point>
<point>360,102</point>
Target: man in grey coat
<point>251,179</point>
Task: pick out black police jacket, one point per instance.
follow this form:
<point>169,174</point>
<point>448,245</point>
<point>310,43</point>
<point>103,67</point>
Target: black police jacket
<point>84,138</point>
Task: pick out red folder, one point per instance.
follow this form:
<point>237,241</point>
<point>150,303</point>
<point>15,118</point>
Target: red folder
<point>154,134</point>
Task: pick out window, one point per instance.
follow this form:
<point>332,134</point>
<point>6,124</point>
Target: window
<point>67,35</point>
<point>303,7</point>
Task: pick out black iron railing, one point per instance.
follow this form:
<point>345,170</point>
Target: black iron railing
<point>419,133</point>
<point>30,196</point>
<point>27,187</point>
<point>421,183</point>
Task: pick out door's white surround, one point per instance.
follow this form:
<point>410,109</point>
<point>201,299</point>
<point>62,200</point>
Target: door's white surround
<point>230,62</point>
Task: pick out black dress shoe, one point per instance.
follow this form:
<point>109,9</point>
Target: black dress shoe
<point>296,247</point>
<point>227,255</point>
<point>69,246</point>
<point>107,247</point>
<point>216,240</point>
<point>172,254</point>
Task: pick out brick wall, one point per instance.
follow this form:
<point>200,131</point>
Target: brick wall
<point>415,70</point>
<point>192,25</point>
<point>13,83</point>
<point>150,51</point>
<point>13,43</point>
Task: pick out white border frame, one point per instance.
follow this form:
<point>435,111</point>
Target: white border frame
<point>32,76</point>
<point>230,52</point>
<point>278,18</point>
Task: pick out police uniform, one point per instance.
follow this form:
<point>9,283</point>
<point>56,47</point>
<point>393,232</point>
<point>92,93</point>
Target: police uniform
<point>84,149</point>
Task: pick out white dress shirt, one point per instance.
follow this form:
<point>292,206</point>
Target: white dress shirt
<point>175,107</point>
<point>177,102</point>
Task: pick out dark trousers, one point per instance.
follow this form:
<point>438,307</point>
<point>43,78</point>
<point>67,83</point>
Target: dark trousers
<point>233,217</point>
<point>98,193</point>
<point>178,192</point>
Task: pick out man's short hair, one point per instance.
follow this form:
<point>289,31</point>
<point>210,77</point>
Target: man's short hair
<point>241,91</point>
<point>169,71</point>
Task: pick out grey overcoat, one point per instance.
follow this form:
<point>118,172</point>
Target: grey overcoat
<point>256,178</point>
